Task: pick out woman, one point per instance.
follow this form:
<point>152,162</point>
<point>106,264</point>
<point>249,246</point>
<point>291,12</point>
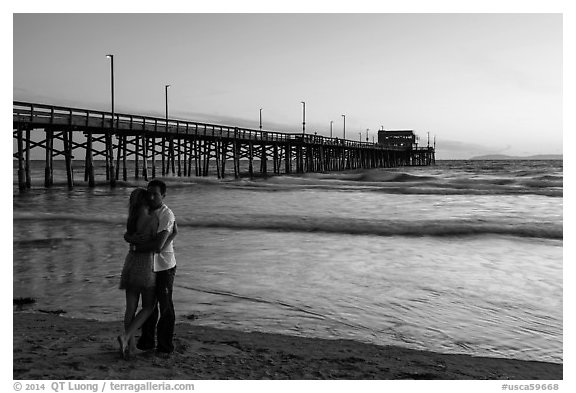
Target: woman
<point>138,277</point>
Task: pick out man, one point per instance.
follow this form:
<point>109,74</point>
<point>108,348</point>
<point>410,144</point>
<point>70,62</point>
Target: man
<point>165,268</point>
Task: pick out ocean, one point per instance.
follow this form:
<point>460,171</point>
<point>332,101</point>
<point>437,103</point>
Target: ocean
<point>459,257</point>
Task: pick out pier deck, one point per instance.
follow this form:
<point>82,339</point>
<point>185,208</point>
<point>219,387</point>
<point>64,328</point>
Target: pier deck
<point>182,147</point>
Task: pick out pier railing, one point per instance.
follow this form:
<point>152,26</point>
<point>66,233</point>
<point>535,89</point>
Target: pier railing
<point>129,124</point>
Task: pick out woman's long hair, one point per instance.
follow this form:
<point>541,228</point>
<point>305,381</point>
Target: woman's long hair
<point>138,198</point>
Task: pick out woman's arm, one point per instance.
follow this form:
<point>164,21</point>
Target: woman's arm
<point>136,238</point>
<point>145,239</point>
<point>158,243</point>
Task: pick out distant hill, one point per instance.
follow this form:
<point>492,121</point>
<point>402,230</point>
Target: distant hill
<point>505,157</point>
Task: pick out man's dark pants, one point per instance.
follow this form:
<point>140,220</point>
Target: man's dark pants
<point>165,325</point>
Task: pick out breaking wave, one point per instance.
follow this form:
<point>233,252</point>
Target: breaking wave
<point>340,225</point>
<point>397,182</point>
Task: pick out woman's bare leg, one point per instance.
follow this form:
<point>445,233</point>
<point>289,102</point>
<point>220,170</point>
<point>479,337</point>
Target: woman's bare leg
<point>148,303</point>
<point>132,299</point>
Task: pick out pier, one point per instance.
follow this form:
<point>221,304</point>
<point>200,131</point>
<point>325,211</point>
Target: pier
<point>148,147</point>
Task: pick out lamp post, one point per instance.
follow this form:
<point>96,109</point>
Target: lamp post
<point>166,95</point>
<point>112,172</point>
<point>111,57</point>
<point>303,117</point>
<point>166,170</point>
<point>360,137</point>
<point>367,129</point>
<point>260,119</point>
<point>331,128</point>
<point>344,136</point>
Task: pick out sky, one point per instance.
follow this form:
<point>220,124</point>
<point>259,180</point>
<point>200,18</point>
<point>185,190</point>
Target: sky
<point>476,83</point>
<point>481,83</point>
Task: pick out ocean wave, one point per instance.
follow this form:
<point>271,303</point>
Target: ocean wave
<point>462,187</point>
<point>392,177</point>
<point>349,226</point>
<point>556,178</point>
<point>340,225</point>
<point>542,183</point>
<point>406,183</point>
<point>453,190</point>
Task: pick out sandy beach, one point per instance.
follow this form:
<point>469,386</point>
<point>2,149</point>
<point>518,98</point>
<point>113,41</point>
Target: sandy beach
<point>48,346</point>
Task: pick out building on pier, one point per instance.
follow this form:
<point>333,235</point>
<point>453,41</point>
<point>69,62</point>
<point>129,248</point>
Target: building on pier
<point>405,138</point>
<point>408,140</point>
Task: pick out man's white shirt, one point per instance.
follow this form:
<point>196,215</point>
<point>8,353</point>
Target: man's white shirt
<point>166,259</point>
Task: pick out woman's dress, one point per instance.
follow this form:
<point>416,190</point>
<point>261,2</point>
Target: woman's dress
<point>138,271</point>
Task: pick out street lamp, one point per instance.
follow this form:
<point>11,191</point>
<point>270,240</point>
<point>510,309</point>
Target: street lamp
<point>331,128</point>
<point>110,147</point>
<point>367,129</point>
<point>303,117</point>
<point>360,137</point>
<point>260,119</point>
<point>111,57</point>
<point>344,136</point>
<point>166,95</point>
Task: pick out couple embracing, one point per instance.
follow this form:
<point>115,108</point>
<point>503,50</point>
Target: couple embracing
<point>148,272</point>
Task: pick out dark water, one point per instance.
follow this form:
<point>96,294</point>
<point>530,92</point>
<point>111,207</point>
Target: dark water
<point>461,257</point>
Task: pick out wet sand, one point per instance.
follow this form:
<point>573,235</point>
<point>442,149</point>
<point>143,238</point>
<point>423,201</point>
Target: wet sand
<point>48,346</point>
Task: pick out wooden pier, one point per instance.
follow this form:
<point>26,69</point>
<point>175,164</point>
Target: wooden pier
<point>157,147</point>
